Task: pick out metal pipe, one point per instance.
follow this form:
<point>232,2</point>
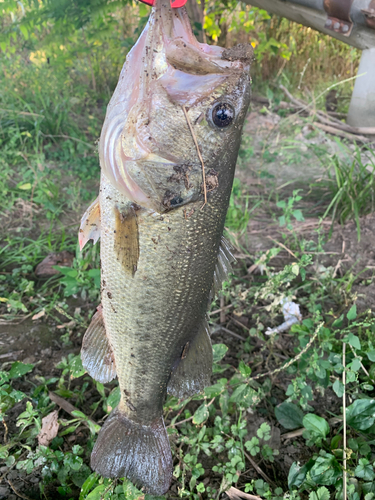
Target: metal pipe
<point>351,21</point>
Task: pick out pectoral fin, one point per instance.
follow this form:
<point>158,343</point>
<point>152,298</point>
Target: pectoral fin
<point>90,224</point>
<point>193,372</point>
<point>127,239</point>
<point>96,353</point>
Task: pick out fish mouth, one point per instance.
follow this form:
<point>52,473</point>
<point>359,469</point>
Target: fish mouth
<point>167,59</point>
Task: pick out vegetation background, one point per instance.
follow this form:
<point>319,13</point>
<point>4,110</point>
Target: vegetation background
<point>271,425</point>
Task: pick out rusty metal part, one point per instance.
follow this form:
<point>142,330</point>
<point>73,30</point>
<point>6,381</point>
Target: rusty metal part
<point>369,14</point>
<point>339,19</point>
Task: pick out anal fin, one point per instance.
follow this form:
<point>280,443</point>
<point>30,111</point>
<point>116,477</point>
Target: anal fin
<point>90,225</point>
<point>96,353</point>
<point>194,369</point>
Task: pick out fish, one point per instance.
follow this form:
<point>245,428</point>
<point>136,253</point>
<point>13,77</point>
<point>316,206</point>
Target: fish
<point>167,150</point>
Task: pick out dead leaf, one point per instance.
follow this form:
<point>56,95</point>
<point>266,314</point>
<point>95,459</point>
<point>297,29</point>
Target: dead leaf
<point>49,430</point>
<point>38,315</point>
<point>235,494</point>
<point>66,325</point>
<point>45,268</point>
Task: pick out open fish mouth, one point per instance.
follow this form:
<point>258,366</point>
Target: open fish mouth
<point>166,70</point>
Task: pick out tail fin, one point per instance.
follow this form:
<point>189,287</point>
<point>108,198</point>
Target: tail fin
<point>140,453</point>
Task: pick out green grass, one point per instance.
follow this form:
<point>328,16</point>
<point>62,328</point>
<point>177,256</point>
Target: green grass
<point>352,186</point>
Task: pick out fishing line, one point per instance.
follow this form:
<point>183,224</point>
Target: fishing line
<point>199,154</point>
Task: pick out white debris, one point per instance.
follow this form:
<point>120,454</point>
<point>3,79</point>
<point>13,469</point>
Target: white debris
<point>292,315</point>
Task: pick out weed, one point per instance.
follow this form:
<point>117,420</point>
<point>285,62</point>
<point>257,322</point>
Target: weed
<point>352,185</point>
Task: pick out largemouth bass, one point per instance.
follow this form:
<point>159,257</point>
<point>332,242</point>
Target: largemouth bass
<point>168,150</point>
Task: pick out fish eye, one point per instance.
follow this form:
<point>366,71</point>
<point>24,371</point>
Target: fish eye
<point>223,114</point>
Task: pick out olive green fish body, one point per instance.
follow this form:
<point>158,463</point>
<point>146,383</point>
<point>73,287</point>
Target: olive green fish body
<point>168,151</point>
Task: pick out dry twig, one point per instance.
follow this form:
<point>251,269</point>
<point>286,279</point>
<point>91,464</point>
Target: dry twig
<point>234,494</point>
<point>68,407</point>
<point>258,469</point>
<point>282,246</point>
<point>17,492</point>
<point>334,130</point>
<point>293,360</point>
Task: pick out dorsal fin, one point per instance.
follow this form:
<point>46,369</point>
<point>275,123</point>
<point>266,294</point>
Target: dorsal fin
<point>90,224</point>
<point>223,267</point>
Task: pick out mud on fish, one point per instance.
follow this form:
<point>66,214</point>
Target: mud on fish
<point>160,216</point>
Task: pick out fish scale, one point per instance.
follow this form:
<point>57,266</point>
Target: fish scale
<point>154,303</point>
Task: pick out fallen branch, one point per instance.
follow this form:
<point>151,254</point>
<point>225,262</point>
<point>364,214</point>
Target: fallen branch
<point>68,407</point>
<point>330,120</point>
<point>335,131</point>
<point>258,469</point>
<point>293,360</point>
<point>17,492</point>
<point>344,126</point>
<point>230,333</point>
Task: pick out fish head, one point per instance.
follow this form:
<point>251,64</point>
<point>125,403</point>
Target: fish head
<point>176,115</point>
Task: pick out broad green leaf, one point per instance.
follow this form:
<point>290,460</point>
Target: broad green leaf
<point>245,396</point>
<point>220,351</point>
<point>252,446</point>
<point>326,470</point>
<point>298,215</point>
<point>130,491</point>
<point>24,187</point>
<point>244,369</point>
<point>338,387</point>
<point>364,470</point>
<point>213,390</point>
<point>201,414</point>
<point>76,367</point>
<point>321,494</point>
<point>113,399</point>
<point>18,369</point>
<point>355,365</point>
<point>80,476</point>
<point>352,313</point>
<point>316,424</point>
<point>371,355</point>
<point>289,415</point>
<point>97,493</point>
<point>354,341</point>
<point>24,31</point>
<point>338,322</point>
<point>297,474</point>
<point>361,414</point>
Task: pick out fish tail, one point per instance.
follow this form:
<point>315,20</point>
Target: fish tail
<point>141,453</point>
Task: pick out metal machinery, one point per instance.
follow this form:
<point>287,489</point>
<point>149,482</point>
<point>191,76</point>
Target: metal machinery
<point>351,21</point>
